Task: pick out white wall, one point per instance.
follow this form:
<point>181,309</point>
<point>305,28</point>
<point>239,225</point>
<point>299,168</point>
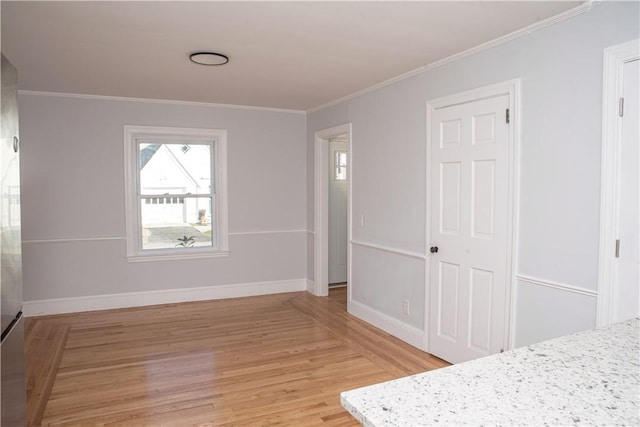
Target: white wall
<point>560,68</point>
<point>73,197</point>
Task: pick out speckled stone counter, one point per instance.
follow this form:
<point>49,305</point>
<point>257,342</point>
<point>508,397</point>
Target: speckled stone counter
<point>588,378</point>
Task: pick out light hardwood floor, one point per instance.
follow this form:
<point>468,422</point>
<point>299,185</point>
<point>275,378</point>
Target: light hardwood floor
<point>257,361</point>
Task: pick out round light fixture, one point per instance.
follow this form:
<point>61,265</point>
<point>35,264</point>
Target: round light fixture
<point>209,58</point>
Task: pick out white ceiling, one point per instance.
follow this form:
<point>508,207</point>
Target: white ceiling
<point>292,55</point>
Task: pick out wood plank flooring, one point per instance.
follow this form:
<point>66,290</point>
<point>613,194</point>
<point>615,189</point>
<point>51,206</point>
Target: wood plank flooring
<point>45,343</point>
<point>259,361</point>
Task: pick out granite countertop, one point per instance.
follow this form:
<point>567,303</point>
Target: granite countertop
<point>588,378</point>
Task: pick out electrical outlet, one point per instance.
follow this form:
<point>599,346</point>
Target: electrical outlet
<point>405,306</point>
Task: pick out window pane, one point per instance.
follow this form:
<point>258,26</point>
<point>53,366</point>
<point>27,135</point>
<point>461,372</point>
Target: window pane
<point>340,166</point>
<point>186,223</point>
<point>170,168</point>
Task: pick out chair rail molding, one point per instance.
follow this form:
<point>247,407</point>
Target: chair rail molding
<point>556,285</point>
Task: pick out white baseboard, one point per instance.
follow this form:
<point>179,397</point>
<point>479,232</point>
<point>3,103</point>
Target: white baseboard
<point>168,296</point>
<point>311,286</point>
<point>398,329</point>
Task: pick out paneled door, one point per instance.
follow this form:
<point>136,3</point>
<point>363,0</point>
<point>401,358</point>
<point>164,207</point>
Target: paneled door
<point>469,247</point>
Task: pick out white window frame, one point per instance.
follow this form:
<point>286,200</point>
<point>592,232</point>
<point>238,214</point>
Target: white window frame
<point>218,137</point>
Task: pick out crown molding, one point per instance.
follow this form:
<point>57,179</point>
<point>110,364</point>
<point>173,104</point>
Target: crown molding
<point>157,101</point>
<point>585,7</point>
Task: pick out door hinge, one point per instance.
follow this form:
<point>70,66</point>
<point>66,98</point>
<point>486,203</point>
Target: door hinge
<point>507,116</point>
<point>621,107</point>
<point>618,248</point>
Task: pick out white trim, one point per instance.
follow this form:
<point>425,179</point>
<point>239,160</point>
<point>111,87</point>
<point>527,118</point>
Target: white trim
<point>511,88</point>
<point>557,285</point>
<point>168,296</point>
<point>396,251</point>
<point>321,206</point>
<point>250,233</point>
<point>349,221</point>
<point>407,333</point>
<point>222,193</point>
<point>311,286</point>
<point>514,208</point>
<point>477,94</point>
<point>158,101</point>
<point>175,256</point>
<point>99,239</point>
<point>585,7</point>
<point>218,137</point>
<point>613,69</point>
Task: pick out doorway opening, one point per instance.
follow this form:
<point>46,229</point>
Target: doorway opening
<point>338,211</point>
<point>332,209</point>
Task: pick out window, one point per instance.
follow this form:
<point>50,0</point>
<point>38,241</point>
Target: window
<point>340,161</point>
<point>176,193</point>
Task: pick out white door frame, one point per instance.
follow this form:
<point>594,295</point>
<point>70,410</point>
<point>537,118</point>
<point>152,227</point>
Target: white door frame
<point>512,89</point>
<point>321,208</point>
<point>613,70</point>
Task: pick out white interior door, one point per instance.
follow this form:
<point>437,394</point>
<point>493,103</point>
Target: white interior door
<point>338,202</point>
<point>469,229</point>
<point>626,292</point>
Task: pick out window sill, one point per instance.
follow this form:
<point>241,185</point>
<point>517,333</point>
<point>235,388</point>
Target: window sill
<point>177,257</point>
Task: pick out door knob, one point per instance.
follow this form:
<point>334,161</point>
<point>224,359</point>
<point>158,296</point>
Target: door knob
<point>434,249</point>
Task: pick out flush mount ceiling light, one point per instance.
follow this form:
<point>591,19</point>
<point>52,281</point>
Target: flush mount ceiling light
<point>209,58</point>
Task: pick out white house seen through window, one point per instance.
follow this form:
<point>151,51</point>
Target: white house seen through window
<point>177,184</point>
<point>340,166</point>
